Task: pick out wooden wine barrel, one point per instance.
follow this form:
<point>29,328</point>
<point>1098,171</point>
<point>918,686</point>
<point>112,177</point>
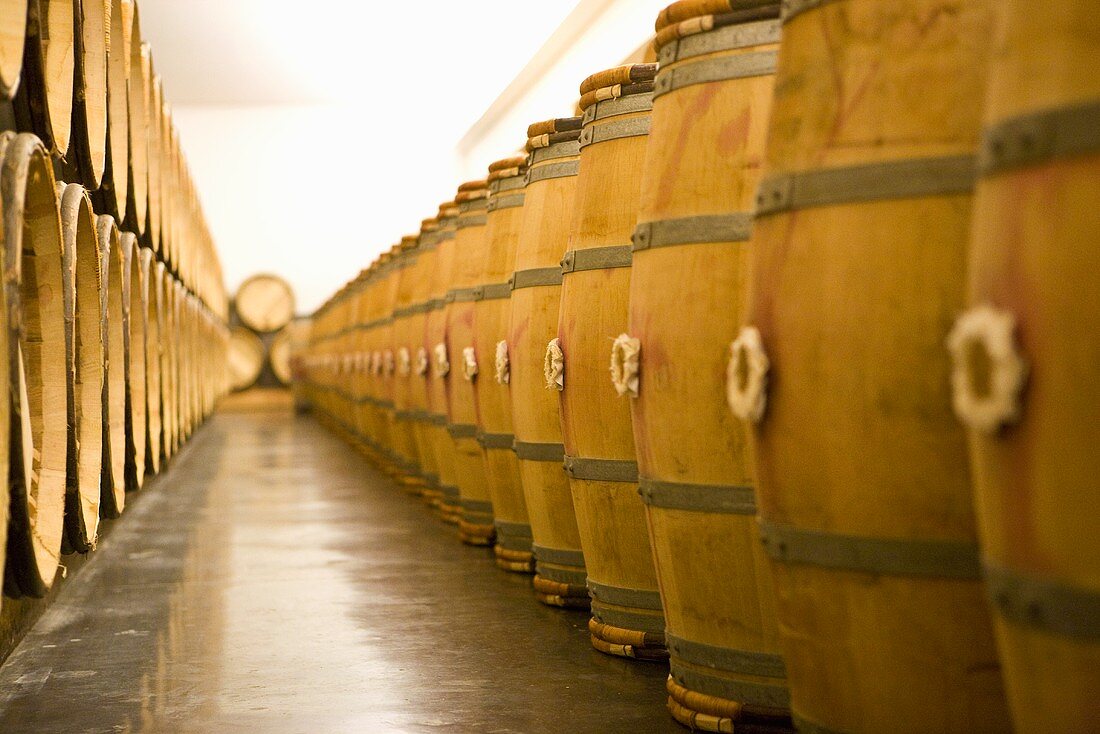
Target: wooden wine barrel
<point>85,314</point>
<point>188,367</point>
<point>166,168</point>
<point>407,276</point>
<point>13,35</point>
<point>504,215</point>
<point>246,358</point>
<point>344,341</point>
<point>167,347</point>
<point>34,289</point>
<point>383,363</point>
<point>265,303</point>
<point>435,362</point>
<point>44,99</point>
<point>133,308</point>
<point>153,213</point>
<point>1025,355</point>
<point>89,117</point>
<point>113,400</point>
<point>191,316</point>
<point>414,363</point>
<point>172,293</point>
<point>550,191</point>
<point>599,448</point>
<point>476,525</point>
<point>153,343</point>
<point>281,352</point>
<point>137,194</point>
<point>113,190</point>
<point>709,125</point>
<point>374,317</point>
<point>857,273</point>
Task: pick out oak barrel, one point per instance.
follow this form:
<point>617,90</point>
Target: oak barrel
<point>85,315</point>
<point>114,186</point>
<point>44,100</point>
<point>416,365</point>
<point>153,344</point>
<point>280,352</point>
<point>504,215</point>
<point>113,403</point>
<point>857,266</point>
<point>549,193</point>
<point>398,361</point>
<point>246,358</point>
<point>137,193</point>
<point>435,363</point>
<point>34,288</point>
<point>133,315</point>
<point>13,35</point>
<point>709,125</point>
<point>476,523</point>
<point>264,303</point>
<point>88,150</point>
<point>599,446</point>
<point>1026,355</point>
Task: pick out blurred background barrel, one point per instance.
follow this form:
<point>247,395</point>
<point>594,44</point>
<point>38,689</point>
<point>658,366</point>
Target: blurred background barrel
<point>246,358</point>
<point>264,304</point>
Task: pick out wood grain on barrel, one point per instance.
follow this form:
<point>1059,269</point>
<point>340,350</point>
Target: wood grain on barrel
<point>85,315</point>
<point>113,491</point>
<point>36,345</point>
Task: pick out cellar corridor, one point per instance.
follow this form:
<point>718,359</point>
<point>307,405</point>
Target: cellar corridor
<point>272,581</point>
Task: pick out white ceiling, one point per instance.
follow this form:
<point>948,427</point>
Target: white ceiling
<point>245,52</point>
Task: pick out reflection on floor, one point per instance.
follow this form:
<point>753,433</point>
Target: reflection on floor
<point>275,583</point>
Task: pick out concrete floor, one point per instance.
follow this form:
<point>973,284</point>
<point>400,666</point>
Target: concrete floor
<point>274,582</point>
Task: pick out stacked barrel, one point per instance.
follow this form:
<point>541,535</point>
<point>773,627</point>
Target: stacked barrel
<point>114,350</point>
<point>262,332</point>
<point>743,364</point>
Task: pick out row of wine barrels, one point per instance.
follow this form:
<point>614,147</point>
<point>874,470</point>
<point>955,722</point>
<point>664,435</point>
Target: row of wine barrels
<point>772,490</point>
<point>78,74</point>
<point>86,365</point>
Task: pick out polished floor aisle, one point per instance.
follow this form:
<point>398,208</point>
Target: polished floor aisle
<point>273,582</point>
